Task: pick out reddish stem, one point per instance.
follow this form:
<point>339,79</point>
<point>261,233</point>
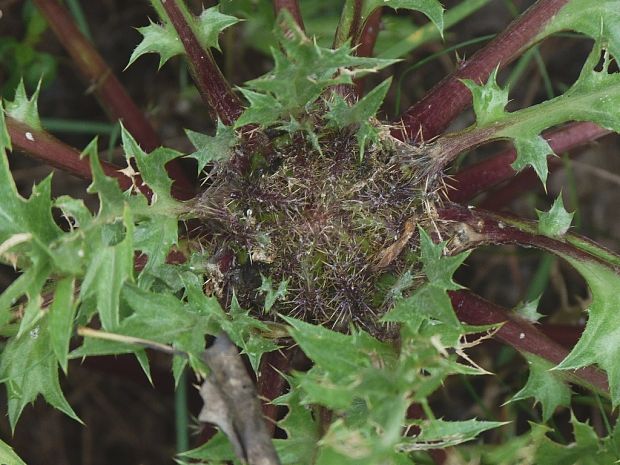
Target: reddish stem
<point>481,176</point>
<point>270,383</point>
<point>526,181</point>
<point>367,41</point>
<point>293,8</point>
<point>474,227</point>
<point>432,114</point>
<point>209,80</point>
<point>45,147</point>
<point>519,333</point>
<point>111,94</point>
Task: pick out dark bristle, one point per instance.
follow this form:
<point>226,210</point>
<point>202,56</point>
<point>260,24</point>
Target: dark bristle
<point>318,219</point>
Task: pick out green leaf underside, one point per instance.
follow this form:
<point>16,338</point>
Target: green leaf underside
<point>163,39</point>
<point>544,386</point>
<point>595,97</point>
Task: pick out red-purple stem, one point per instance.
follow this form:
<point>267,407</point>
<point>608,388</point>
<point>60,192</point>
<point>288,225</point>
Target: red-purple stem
<point>110,93</point>
<point>213,87</point>
<point>519,333</point>
<point>292,6</point>
<point>481,176</point>
<point>366,42</point>
<point>270,383</point>
<point>42,146</point>
<point>474,227</point>
<point>432,114</point>
<point>45,147</point>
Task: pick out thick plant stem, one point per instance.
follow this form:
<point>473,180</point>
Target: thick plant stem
<point>367,41</point>
<point>522,335</point>
<point>472,227</point>
<point>292,6</point>
<point>104,84</point>
<point>525,181</point>
<point>42,146</point>
<point>45,147</point>
<point>213,87</point>
<point>432,114</point>
<point>270,383</point>
<point>481,176</point>
<point>350,22</point>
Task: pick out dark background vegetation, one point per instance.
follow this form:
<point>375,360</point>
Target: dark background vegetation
<point>130,422</point>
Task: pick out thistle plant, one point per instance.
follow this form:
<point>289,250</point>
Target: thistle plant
<point>317,241</point>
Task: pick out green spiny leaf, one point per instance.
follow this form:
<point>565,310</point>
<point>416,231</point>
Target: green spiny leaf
<point>25,109</point>
<point>8,455</point>
<point>212,148</point>
<point>29,368</point>
<point>431,8</point>
<point>359,114</point>
<point>272,296</point>
<point>489,99</point>
<point>600,342</point>
<point>61,315</point>
<point>544,386</point>
<point>440,433</point>
<point>302,71</point>
<point>111,199</point>
<point>302,430</point>
<point>601,20</point>
<point>163,39</point>
<point>556,221</point>
<point>529,310</point>
<point>110,267</point>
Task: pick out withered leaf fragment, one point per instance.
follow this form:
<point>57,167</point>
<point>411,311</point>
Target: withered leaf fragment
<point>231,403</point>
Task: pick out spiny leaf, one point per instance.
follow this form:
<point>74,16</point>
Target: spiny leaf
<point>61,315</point>
<point>155,316</point>
<point>489,99</point>
<point>163,39</point>
<point>29,368</point>
<point>439,433</point>
<point>8,455</point>
<point>587,449</point>
<point>556,221</point>
<point>595,97</point>
<point>25,109</point>
<point>212,148</point>
<point>272,296</point>
<point>529,310</point>
<point>600,342</point>
<point>431,299</point>
<point>151,168</point>
<point>544,386</point>
<point>359,115</point>
<point>110,267</point>
<point>602,19</point>
<point>302,71</point>
<point>431,8</point>
<point>302,429</point>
